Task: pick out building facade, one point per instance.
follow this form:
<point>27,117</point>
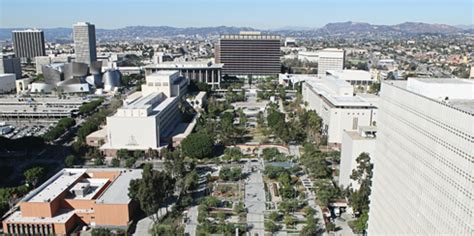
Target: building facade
<point>148,118</point>
<point>330,59</point>
<point>355,143</point>
<point>7,83</point>
<point>28,44</point>
<point>10,64</point>
<point>206,72</point>
<point>334,101</point>
<point>73,198</point>
<point>85,42</point>
<point>249,53</point>
<point>424,159</point>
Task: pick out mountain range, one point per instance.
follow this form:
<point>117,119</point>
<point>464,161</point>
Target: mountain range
<point>330,29</point>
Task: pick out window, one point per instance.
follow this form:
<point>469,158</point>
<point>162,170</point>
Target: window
<point>355,122</point>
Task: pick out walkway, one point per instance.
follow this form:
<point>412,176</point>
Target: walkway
<point>255,198</point>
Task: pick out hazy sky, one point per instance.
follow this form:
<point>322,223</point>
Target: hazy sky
<point>261,14</point>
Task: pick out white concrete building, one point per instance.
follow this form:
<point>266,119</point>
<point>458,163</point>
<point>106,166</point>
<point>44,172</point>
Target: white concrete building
<point>355,143</point>
<point>147,118</point>
<point>339,108</point>
<point>424,159</point>
<point>7,83</point>
<point>330,59</point>
<point>168,82</point>
<point>357,78</point>
<point>308,56</point>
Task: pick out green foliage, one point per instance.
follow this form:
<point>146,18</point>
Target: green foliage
<point>115,162</point>
<point>129,162</point>
<point>101,232</point>
<point>270,226</point>
<point>289,220</point>
<point>69,161</point>
<point>230,174</point>
<point>274,216</point>
<point>90,106</point>
<point>330,227</point>
<point>359,198</point>
<point>374,88</point>
<point>289,206</point>
<point>233,154</point>
<point>274,172</point>
<point>198,145</point>
<point>326,191</point>
<point>239,208</point>
<point>62,126</point>
<point>122,154</point>
<point>34,175</point>
<point>210,201</point>
<point>360,224</point>
<point>152,190</point>
<point>8,197</point>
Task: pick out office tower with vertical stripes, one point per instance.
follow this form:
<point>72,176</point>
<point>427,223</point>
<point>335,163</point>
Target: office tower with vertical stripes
<point>249,53</point>
<point>28,44</point>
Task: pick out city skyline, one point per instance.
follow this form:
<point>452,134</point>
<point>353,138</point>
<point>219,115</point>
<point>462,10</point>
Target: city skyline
<point>261,15</point>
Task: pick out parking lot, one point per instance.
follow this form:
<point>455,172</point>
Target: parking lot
<point>27,129</point>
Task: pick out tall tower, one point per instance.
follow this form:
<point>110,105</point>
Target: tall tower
<point>84,42</point>
<point>28,44</point>
<point>424,159</point>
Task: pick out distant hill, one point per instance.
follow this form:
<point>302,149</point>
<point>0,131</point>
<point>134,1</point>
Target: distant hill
<point>332,29</point>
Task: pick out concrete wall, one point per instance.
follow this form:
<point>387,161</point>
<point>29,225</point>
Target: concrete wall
<point>351,149</point>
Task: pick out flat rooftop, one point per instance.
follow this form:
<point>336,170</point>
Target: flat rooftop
<point>56,185</point>
<point>117,192</point>
<point>186,65</point>
<point>61,218</point>
<point>352,75</point>
<point>456,93</point>
<point>92,185</point>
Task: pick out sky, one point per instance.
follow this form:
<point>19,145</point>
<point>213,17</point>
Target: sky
<point>261,14</point>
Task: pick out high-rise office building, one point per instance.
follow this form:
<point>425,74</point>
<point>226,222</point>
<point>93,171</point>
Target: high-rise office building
<point>84,42</point>
<point>249,53</point>
<point>28,44</point>
<point>424,159</point>
<point>10,64</point>
<point>330,59</point>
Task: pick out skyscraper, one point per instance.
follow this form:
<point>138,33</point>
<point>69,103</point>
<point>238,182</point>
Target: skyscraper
<point>28,44</point>
<point>330,59</point>
<point>84,42</point>
<point>249,53</point>
<point>424,159</point>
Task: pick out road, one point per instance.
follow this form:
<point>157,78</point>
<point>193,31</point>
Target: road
<point>255,197</point>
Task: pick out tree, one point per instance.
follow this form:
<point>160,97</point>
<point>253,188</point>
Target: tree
<point>289,220</point>
<point>359,198</point>
<point>122,154</point>
<point>197,145</point>
<point>69,161</point>
<point>115,162</point>
<point>34,175</point>
<point>152,190</point>
<point>271,227</point>
<point>274,216</point>
<point>129,162</point>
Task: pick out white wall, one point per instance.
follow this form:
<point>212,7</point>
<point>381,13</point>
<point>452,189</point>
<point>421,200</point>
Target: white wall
<point>423,167</point>
<point>7,83</point>
<point>350,150</point>
<point>123,131</point>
